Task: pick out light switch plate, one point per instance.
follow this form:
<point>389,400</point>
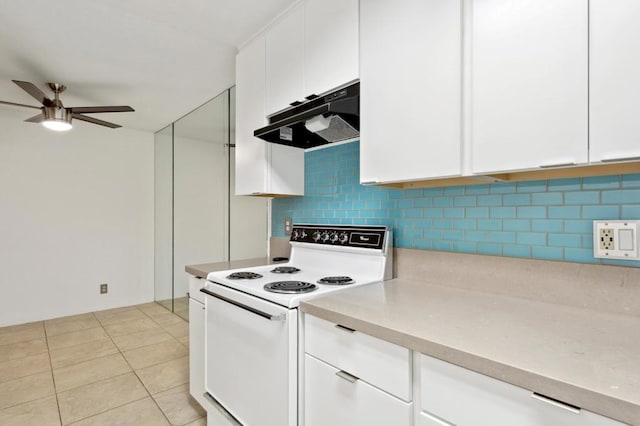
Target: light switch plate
<point>616,239</point>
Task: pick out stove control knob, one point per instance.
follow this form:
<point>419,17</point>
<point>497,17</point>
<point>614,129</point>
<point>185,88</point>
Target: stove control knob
<point>316,236</point>
<point>343,238</point>
<point>303,234</point>
<point>295,234</point>
<point>325,236</point>
<point>334,237</point>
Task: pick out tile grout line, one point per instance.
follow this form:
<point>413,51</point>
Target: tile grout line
<point>30,375</point>
<point>119,351</point>
<point>132,371</point>
<point>106,411</point>
<point>53,377</point>
<point>136,373</point>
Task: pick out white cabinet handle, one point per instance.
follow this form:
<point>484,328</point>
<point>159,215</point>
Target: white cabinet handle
<point>369,182</point>
<point>270,317</point>
<point>613,159</point>
<point>346,376</point>
<point>556,402</point>
<point>561,164</point>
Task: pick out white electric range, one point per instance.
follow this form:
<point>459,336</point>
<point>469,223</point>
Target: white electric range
<point>253,330</point>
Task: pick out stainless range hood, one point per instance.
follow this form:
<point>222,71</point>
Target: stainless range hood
<point>321,120</point>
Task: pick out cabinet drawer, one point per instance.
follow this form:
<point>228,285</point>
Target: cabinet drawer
<point>383,364</point>
<point>333,400</point>
<point>445,388</point>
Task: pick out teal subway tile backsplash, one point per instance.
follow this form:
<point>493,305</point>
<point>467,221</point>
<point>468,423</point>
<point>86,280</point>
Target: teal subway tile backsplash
<point>631,181</point>
<point>620,197</point>
<point>541,219</point>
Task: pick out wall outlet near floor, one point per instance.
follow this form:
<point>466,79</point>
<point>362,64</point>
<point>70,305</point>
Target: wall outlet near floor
<point>616,239</point>
<point>104,288</point>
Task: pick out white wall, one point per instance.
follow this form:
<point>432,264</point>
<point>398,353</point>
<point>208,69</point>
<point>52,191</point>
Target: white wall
<point>76,210</point>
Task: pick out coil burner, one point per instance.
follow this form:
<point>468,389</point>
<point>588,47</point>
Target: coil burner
<point>338,280</point>
<point>244,276</point>
<point>285,270</point>
<point>289,287</point>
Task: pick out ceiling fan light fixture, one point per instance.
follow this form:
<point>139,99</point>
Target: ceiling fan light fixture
<point>55,118</point>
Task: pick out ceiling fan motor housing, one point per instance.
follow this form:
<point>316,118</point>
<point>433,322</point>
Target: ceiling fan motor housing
<point>56,113</point>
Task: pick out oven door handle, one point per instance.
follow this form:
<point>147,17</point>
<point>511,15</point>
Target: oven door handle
<point>280,317</point>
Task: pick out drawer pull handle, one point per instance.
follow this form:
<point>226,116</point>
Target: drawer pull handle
<point>343,328</point>
<point>562,164</point>
<point>612,159</point>
<point>556,402</point>
<point>346,376</point>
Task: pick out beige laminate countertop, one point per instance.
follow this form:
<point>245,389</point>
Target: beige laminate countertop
<point>584,357</point>
<point>203,269</point>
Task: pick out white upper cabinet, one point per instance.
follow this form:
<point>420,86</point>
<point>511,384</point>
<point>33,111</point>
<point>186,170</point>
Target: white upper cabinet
<point>312,49</point>
<point>250,151</point>
<point>613,80</point>
<point>261,168</point>
<point>330,44</point>
<point>529,84</point>
<point>285,61</point>
<point>410,73</point>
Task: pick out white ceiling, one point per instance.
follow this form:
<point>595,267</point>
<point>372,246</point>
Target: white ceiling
<point>162,57</point>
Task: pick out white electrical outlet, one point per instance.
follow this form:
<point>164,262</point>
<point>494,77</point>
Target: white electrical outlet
<point>616,239</point>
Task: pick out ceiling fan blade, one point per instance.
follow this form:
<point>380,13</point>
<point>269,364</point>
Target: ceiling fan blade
<point>33,90</point>
<point>35,119</point>
<point>85,110</point>
<point>20,105</point>
<point>95,121</point>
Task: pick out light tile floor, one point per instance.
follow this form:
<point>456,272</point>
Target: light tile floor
<point>125,366</point>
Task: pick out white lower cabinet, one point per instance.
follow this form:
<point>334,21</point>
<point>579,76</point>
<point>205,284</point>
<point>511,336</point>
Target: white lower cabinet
<point>335,398</point>
<point>196,350</point>
<point>351,378</point>
<point>426,419</point>
<point>452,395</point>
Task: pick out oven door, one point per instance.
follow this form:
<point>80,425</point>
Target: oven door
<point>251,357</point>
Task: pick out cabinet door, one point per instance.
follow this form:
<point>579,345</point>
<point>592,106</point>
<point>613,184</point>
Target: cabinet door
<point>196,351</point>
<point>529,84</point>
<point>285,61</point>
<point>337,401</point>
<point>261,167</point>
<point>410,72</point>
<point>613,79</point>
<point>251,155</point>
<point>330,44</point>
